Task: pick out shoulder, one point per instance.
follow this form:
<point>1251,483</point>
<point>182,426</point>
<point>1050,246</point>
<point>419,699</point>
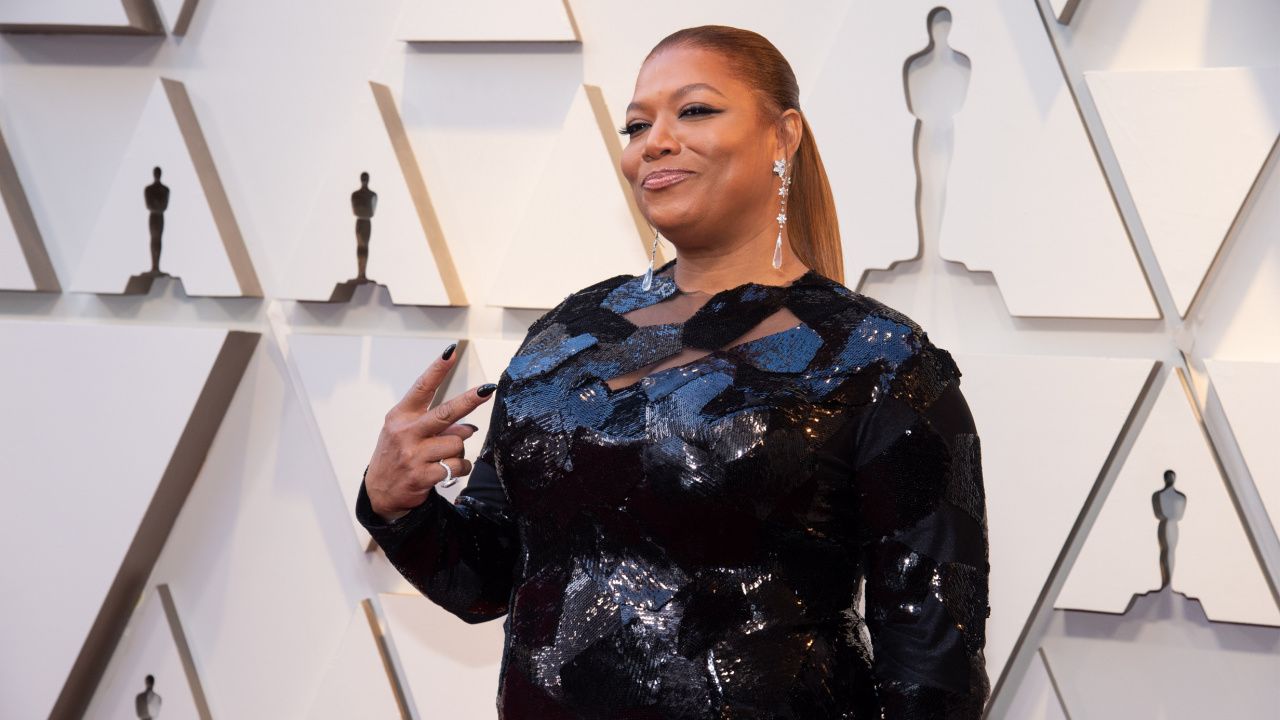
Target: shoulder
<point>834,305</point>
<point>577,306</point>
<point>867,335</point>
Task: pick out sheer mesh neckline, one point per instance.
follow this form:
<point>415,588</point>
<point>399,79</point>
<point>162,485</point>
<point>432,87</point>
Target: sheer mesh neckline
<point>664,286</point>
<point>708,323</point>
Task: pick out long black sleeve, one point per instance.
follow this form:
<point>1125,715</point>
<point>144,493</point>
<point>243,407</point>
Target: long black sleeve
<point>461,555</point>
<point>922,504</point>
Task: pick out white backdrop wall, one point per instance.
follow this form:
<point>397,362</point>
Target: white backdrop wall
<point>267,576</point>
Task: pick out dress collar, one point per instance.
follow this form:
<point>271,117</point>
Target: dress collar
<point>726,315</point>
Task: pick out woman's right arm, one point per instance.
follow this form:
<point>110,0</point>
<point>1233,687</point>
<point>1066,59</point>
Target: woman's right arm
<point>462,554</point>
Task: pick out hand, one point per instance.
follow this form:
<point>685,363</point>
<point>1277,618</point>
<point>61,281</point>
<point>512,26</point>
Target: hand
<point>404,466</point>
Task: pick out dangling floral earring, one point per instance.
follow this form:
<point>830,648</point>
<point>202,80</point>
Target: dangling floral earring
<point>648,274</point>
<point>780,169</point>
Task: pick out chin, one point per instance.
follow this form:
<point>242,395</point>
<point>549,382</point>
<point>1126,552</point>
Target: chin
<point>668,218</point>
<point>671,226</point>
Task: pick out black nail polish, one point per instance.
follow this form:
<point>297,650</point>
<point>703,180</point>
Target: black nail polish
<point>473,427</point>
<point>485,389</point>
<point>448,352</point>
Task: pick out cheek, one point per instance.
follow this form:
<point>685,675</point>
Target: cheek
<point>630,162</point>
<point>739,174</point>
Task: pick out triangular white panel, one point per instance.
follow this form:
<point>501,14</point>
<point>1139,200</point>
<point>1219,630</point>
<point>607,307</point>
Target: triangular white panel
<point>200,242</point>
<point>122,16</point>
<point>451,667</point>
<point>858,111</point>
<point>1191,144</point>
<point>356,684</point>
<point>578,228</point>
<point>486,21</point>
<point>1212,558</point>
<point>24,260</point>
<point>153,644</point>
<point>400,250</point>
<point>1026,198</point>
<point>131,389</point>
<point>1250,393</point>
<point>351,381</point>
<point>1047,425</point>
<point>1035,698</point>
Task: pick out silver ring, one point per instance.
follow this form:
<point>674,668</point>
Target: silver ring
<point>449,479</point>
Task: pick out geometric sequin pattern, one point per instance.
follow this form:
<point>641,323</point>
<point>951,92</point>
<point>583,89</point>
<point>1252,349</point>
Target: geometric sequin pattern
<point>695,544</point>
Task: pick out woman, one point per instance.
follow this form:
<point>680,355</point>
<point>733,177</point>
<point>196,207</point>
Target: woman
<point>690,474</point>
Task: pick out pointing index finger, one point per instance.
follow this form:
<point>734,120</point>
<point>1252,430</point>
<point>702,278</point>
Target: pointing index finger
<point>447,413</point>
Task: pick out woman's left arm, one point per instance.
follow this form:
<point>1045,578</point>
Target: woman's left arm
<point>922,507</point>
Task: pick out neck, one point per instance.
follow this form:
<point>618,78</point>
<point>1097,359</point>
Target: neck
<point>730,264</point>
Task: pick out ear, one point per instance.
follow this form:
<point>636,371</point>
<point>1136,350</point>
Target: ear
<point>790,129</point>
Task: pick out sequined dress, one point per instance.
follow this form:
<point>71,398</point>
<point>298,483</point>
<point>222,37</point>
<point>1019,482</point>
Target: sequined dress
<point>683,502</point>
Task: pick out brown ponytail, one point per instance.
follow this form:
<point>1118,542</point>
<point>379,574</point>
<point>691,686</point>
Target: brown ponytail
<point>812,225</point>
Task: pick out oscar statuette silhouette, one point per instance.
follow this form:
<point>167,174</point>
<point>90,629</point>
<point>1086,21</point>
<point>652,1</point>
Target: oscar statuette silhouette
<point>156,197</point>
<point>147,702</point>
<point>363,204</point>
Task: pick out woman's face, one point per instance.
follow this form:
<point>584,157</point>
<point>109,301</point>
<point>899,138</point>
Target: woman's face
<point>700,151</point>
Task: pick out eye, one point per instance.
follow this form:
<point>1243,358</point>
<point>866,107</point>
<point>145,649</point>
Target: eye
<point>697,110</point>
<point>632,128</point>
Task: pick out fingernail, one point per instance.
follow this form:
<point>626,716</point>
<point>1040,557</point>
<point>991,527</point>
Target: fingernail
<point>448,351</point>
<point>473,427</point>
<point>485,389</point>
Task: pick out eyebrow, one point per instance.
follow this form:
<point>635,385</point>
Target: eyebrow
<point>682,92</point>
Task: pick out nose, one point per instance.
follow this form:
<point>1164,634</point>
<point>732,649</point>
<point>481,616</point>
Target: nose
<point>659,142</point>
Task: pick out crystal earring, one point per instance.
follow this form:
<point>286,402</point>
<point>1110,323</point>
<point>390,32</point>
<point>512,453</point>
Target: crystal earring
<point>648,274</point>
<point>780,169</point>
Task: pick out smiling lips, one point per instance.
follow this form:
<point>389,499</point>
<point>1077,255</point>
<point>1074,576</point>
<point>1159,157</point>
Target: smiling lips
<point>659,179</point>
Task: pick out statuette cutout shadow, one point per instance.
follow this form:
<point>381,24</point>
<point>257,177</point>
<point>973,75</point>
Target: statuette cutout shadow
<point>1202,543</point>
<point>1022,153</point>
<point>1169,505</point>
<point>147,704</point>
<point>156,196</point>
<point>364,202</point>
<point>153,668</point>
<point>412,264</point>
<point>1090,655</point>
<point>187,207</point>
<point>935,84</point>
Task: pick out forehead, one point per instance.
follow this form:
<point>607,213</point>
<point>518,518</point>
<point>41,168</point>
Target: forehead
<point>672,69</point>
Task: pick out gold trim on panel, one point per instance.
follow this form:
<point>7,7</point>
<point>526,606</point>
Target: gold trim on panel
<point>184,651</point>
<point>24,224</point>
<point>215,194</point>
<point>445,389</point>
<point>141,15</point>
<point>144,15</point>
<point>158,520</point>
<point>418,191</point>
<point>384,653</point>
<point>600,109</point>
<point>183,22</point>
<point>1068,12</point>
<point>573,21</point>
